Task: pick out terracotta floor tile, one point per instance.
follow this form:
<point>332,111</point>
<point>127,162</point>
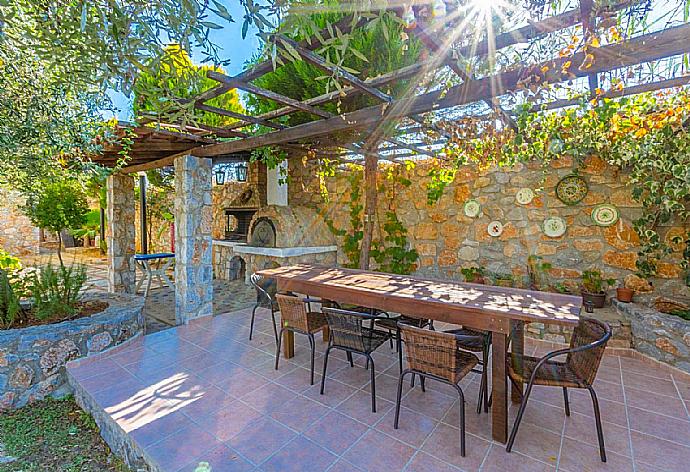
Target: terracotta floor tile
<point>423,462</point>
<point>357,376</point>
<point>105,380</point>
<point>336,432</point>
<point>498,460</point>
<point>298,379</point>
<point>669,406</point>
<point>159,427</point>
<point>229,420</point>
<point>663,427</point>
<point>444,444</point>
<point>538,443</point>
<point>122,392</point>
<point>175,451</point>
<point>413,428</point>
<point>261,439</point>
<point>344,466</point>
<point>221,459</point>
<point>268,370</point>
<point>583,428</point>
<point>84,370</point>
<point>684,389</point>
<point>297,454</point>
<point>539,414</point>
<point>430,403</point>
<point>207,400</point>
<point>607,390</point>
<point>477,424</point>
<point>656,452</point>
<point>637,366</point>
<point>579,457</point>
<point>387,387</point>
<point>613,412</point>
<point>376,451</point>
<point>268,398</point>
<point>242,382</point>
<point>299,413</point>
<point>358,406</point>
<point>334,393</point>
<point>649,384</point>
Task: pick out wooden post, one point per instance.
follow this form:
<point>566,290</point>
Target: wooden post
<point>371,163</point>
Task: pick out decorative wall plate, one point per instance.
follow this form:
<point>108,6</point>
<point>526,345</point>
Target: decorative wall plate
<point>472,208</point>
<point>524,196</point>
<point>554,226</point>
<point>605,214</point>
<point>571,189</point>
<point>495,229</point>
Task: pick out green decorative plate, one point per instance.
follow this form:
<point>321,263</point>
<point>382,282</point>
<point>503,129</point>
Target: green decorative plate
<point>605,214</point>
<point>554,227</point>
<point>571,189</point>
<point>472,208</point>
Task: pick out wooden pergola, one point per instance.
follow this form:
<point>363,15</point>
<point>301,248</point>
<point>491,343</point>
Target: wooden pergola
<point>369,138</point>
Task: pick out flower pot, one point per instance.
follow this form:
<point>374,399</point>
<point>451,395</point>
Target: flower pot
<point>596,299</point>
<point>476,279</point>
<point>624,295</point>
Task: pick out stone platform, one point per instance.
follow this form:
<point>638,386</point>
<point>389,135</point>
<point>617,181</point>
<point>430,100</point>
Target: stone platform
<point>205,393</point>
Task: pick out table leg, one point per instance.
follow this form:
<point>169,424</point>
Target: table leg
<point>326,334</point>
<point>288,344</point>
<point>517,349</point>
<point>499,407</point>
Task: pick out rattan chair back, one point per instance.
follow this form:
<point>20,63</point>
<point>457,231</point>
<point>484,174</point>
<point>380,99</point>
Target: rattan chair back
<point>594,335</point>
<point>432,352</point>
<point>293,313</point>
<point>347,329</point>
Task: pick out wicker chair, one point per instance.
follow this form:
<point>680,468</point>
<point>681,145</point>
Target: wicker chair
<point>577,371</point>
<point>477,341</point>
<point>265,298</point>
<point>438,356</point>
<point>295,317</point>
<point>349,334</point>
<point>391,324</point>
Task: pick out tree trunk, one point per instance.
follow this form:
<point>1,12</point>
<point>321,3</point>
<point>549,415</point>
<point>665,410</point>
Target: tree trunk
<point>371,162</point>
<point>59,249</point>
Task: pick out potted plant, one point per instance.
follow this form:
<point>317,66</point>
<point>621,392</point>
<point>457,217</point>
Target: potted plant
<point>594,288</point>
<point>503,279</point>
<point>474,275</point>
<point>624,294</point>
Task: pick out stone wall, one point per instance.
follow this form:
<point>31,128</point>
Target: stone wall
<point>659,335</point>
<point>32,360</point>
<point>447,240</point>
<point>17,235</point>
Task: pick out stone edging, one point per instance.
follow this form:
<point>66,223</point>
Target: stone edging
<point>32,359</point>
<point>660,336</point>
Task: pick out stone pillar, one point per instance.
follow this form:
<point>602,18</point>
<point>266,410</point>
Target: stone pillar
<point>193,251</point>
<point>120,234</point>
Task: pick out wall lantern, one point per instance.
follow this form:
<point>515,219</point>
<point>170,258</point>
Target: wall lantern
<point>241,172</point>
<point>219,174</point>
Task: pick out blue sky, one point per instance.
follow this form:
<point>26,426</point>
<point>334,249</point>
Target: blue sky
<point>234,48</point>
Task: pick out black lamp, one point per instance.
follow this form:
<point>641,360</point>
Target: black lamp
<point>241,172</point>
<point>220,175</point>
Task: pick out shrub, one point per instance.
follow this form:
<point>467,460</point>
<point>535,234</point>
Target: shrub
<point>58,206</point>
<point>592,282</point>
<point>10,309</point>
<point>56,291</point>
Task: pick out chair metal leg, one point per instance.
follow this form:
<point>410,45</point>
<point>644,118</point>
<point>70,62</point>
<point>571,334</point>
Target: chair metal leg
<point>565,400</point>
<point>521,411</point>
<point>485,379</point>
<point>349,358</point>
<point>400,353</point>
<point>398,400</point>
<point>423,383</point>
<point>273,317</point>
<point>373,383</point>
<point>597,417</point>
<point>251,323</point>
<point>462,420</point>
<point>482,386</point>
<point>280,340</point>
<point>325,366</point>
<point>312,344</point>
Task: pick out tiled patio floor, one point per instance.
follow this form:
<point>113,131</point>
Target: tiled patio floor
<point>203,392</point>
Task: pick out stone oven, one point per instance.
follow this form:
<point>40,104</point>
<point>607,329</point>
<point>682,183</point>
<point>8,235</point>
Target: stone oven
<point>289,227</point>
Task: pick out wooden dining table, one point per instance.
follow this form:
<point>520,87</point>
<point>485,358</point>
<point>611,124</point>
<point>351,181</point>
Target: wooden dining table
<point>501,310</point>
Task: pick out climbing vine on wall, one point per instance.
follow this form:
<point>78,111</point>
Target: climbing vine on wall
<point>352,239</point>
<point>646,135</point>
<point>392,251</point>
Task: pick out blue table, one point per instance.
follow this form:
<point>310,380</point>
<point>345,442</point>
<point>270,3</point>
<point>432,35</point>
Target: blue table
<point>153,265</point>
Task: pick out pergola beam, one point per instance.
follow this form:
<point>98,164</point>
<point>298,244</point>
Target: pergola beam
<point>322,64</point>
